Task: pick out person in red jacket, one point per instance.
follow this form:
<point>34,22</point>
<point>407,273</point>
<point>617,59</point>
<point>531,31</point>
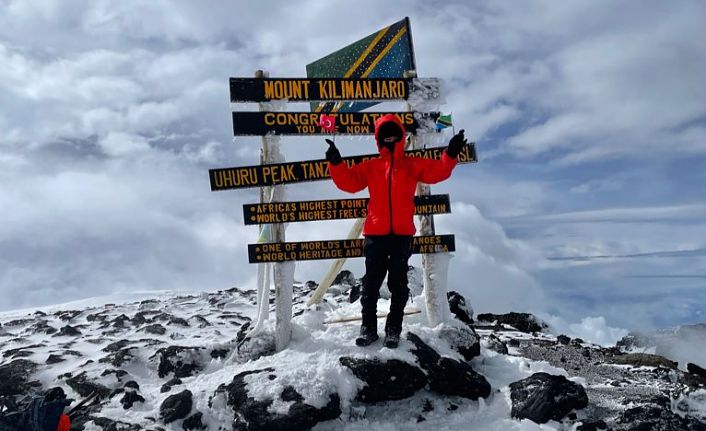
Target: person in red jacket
<point>391,180</point>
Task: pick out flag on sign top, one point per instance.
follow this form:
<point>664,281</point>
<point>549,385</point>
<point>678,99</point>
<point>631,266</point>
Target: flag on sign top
<point>443,122</point>
<point>387,53</point>
<point>327,122</point>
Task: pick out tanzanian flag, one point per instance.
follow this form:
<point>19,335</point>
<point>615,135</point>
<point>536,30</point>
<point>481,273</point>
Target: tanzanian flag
<point>443,122</point>
<point>387,53</point>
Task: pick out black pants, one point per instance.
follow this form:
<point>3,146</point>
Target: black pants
<point>385,254</point>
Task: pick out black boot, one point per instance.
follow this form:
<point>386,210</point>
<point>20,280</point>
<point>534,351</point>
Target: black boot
<point>367,336</point>
<point>392,339</point>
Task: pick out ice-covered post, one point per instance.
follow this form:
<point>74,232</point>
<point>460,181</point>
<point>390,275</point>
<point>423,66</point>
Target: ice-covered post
<point>283,272</point>
<point>434,265</point>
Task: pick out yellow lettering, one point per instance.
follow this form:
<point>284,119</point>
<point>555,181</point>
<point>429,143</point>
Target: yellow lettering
<point>270,119</point>
<point>368,89</point>
<point>269,90</point>
<point>348,91</point>
<point>323,94</point>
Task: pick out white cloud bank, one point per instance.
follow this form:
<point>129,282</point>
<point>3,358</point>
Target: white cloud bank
<point>111,113</point>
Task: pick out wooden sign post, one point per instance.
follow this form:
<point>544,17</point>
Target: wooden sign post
<point>274,256</point>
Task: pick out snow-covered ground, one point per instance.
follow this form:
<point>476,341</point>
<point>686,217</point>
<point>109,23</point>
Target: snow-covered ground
<point>86,346</point>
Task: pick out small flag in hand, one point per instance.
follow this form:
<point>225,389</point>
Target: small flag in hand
<point>443,122</point>
<point>327,122</point>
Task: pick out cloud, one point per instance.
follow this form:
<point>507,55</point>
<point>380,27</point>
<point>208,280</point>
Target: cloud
<point>591,329</point>
<point>589,119</point>
<point>492,270</point>
<point>692,212</point>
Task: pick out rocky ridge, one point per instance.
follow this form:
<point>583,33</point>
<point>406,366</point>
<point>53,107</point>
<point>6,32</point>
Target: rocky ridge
<point>181,362</point>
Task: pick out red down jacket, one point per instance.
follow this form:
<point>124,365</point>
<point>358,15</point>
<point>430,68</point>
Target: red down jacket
<point>392,182</point>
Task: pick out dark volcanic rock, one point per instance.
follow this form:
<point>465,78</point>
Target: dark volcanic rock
<point>131,397</point>
<point>118,358</point>
<point>563,339</point>
<point>97,317</point>
<point>219,353</point>
<point>178,321</point>
<point>120,321</point>
<point>14,352</point>
<point>119,374</point>
<point>457,305</point>
<point>389,380</point>
<point>180,360</point>
<point>117,345</point>
<point>448,376</point>
<point>254,415</point>
<point>643,360</point>
<point>346,278</point>
<point>168,386</point>
<point>68,315</point>
<point>696,370</point>
<point>291,394</point>
<point>14,377</point>
<point>496,344</point>
<point>177,406</point>
<point>542,397</point>
<point>85,387</point>
<point>111,425</point>
<point>194,422</point>
<point>42,327</point>
<point>655,417</point>
<point>54,359</point>
<point>592,425</point>
<point>69,331</point>
<point>463,339</point>
<point>19,322</point>
<point>156,329</point>
<point>523,322</point>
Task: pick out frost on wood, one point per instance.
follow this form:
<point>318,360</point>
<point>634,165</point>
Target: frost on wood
<point>435,279</point>
<point>426,94</point>
<point>284,282</point>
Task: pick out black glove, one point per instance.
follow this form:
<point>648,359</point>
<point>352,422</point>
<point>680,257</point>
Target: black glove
<point>332,154</point>
<point>456,144</point>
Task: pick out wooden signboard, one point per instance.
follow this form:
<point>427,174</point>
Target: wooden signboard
<point>333,209</point>
<point>259,123</point>
<point>330,89</point>
<point>310,170</point>
<point>337,249</point>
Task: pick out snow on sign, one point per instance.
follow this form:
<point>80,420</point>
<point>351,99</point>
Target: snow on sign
<point>338,248</point>
<point>338,89</point>
<point>310,170</point>
<point>308,123</point>
<point>334,209</point>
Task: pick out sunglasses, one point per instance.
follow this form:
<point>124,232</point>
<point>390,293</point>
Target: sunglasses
<point>391,139</point>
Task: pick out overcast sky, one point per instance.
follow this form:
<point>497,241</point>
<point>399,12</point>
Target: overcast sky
<point>589,116</point>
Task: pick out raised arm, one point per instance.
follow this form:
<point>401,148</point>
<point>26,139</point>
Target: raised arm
<point>351,180</point>
<point>434,171</point>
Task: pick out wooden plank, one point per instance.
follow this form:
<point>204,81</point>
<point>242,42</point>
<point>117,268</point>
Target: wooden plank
<point>308,170</point>
<point>338,249</point>
<point>254,123</point>
<point>331,89</point>
<point>331,209</point>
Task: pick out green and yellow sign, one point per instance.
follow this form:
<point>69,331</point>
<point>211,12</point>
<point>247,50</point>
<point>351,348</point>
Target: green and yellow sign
<point>333,209</point>
<point>387,53</point>
<point>307,123</point>
<point>310,170</point>
<point>338,249</point>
